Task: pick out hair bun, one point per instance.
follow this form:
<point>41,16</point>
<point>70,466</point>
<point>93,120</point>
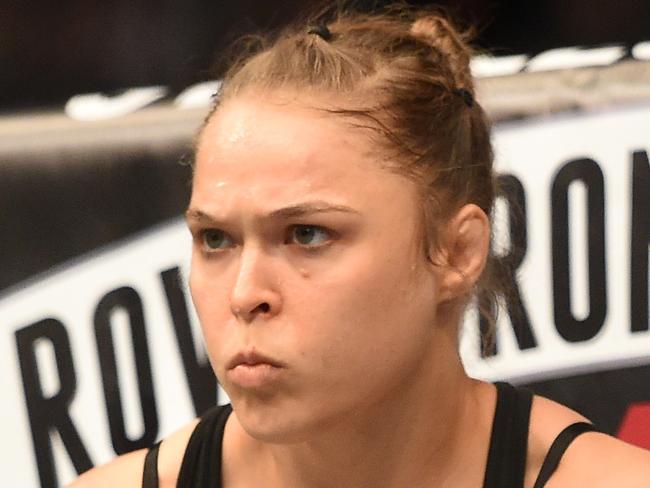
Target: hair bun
<point>440,34</point>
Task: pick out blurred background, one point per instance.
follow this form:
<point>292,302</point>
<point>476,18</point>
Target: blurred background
<point>51,51</point>
<point>100,351</point>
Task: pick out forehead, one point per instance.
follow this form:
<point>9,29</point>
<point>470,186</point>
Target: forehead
<point>280,149</point>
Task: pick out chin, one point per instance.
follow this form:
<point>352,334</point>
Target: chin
<point>275,421</point>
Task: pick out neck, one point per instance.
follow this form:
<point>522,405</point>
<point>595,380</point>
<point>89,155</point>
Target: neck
<point>435,430</point>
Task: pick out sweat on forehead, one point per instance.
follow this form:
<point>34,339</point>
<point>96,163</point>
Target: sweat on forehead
<point>293,163</point>
<point>294,119</point>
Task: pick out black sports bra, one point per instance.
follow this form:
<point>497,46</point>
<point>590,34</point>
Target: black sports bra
<point>506,464</point>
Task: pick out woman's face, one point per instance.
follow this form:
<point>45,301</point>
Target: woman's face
<point>306,272</point>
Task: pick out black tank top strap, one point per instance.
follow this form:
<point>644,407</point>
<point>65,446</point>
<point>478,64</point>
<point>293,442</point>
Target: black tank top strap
<point>559,446</point>
<point>506,463</point>
<point>150,471</point>
<point>201,466</point>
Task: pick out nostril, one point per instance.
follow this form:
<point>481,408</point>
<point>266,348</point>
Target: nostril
<point>264,307</point>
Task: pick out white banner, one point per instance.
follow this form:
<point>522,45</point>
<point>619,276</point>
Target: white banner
<point>586,183</point>
<point>96,357</point>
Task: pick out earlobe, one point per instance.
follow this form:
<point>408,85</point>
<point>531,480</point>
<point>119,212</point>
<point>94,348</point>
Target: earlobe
<point>466,250</point>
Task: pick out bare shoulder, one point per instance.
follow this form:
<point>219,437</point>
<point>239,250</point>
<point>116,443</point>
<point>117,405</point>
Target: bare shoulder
<point>603,461</point>
<point>126,470</point>
<point>593,459</point>
<point>171,453</point>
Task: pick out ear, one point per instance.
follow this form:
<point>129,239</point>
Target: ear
<point>467,243</point>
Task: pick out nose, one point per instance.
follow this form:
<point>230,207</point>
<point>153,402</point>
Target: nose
<point>255,294</point>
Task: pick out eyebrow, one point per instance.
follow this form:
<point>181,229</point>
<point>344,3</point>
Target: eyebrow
<point>292,211</point>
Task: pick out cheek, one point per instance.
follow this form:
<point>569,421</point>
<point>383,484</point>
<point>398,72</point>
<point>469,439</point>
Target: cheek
<point>210,299</point>
<point>374,313</point>
<point>200,290</point>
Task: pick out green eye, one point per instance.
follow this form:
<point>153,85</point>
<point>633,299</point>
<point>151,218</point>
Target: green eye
<point>215,239</point>
<point>309,235</point>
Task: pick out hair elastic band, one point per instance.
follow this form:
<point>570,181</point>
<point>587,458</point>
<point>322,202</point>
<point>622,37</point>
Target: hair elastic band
<point>467,97</point>
<point>321,31</point>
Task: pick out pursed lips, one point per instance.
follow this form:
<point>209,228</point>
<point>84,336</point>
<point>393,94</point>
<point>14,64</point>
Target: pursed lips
<point>251,370</point>
<point>252,358</point>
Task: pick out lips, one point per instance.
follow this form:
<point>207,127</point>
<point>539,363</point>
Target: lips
<point>252,358</point>
<point>254,371</point>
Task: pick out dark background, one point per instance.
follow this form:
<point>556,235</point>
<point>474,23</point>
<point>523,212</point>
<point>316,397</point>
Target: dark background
<point>52,50</point>
<point>53,210</point>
